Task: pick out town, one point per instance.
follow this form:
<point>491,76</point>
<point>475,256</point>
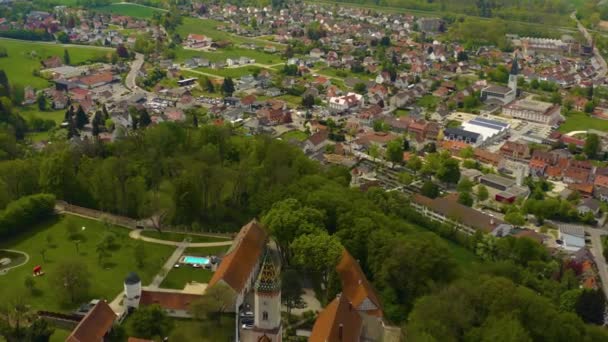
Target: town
<point>302,171</point>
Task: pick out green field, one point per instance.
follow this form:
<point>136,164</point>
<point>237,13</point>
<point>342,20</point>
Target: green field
<point>179,277</point>
<point>131,10</point>
<point>231,72</point>
<point>221,55</point>
<point>208,27</point>
<point>60,335</point>
<point>578,121</point>
<point>178,237</point>
<point>32,111</point>
<point>295,134</point>
<point>25,57</point>
<point>105,281</point>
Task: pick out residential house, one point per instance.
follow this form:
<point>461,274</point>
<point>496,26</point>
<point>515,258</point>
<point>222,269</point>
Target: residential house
<point>572,237</point>
<point>589,205</point>
<point>95,325</point>
<point>515,150</point>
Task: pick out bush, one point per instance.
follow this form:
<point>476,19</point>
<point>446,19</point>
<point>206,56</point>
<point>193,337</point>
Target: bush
<point>21,214</point>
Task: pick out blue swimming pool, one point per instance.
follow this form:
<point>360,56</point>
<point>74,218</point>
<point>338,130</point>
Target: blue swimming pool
<point>195,260</point>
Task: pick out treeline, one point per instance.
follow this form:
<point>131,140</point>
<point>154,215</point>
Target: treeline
<point>23,213</point>
<point>541,11</point>
<point>36,35</point>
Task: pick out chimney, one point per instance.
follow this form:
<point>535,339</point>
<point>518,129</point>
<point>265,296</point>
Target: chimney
<point>340,330</point>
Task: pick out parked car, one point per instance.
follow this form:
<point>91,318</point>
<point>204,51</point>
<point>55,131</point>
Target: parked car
<point>246,314</point>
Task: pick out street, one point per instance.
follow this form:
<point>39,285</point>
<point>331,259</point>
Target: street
<point>596,52</point>
<point>132,75</point>
<point>598,255</point>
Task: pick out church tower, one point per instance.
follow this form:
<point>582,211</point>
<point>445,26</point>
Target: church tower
<point>513,76</point>
<point>267,322</point>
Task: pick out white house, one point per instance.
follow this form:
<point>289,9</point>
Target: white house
<point>573,237</point>
<point>342,103</point>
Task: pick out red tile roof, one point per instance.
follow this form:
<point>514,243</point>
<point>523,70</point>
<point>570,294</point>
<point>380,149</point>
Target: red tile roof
<point>243,256</point>
<point>94,325</point>
<point>338,317</point>
<point>355,286</point>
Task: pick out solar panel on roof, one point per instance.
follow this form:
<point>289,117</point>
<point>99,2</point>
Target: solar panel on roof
<point>486,125</point>
<point>493,122</point>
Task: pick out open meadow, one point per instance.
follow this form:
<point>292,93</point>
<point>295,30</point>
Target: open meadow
<point>131,10</point>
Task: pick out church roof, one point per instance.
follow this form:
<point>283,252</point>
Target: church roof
<point>268,280</point>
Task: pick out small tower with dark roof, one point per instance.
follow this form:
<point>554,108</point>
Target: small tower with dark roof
<point>513,75</point>
<point>132,291</point>
<point>267,322</point>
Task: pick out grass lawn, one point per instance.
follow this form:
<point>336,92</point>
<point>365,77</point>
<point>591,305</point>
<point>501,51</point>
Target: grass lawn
<point>578,121</point>
<point>131,10</point>
<point>231,72</point>
<point>105,281</point>
<point>60,335</point>
<point>233,52</point>
<point>31,112</point>
<point>428,101</point>
<point>173,236</point>
<point>402,112</point>
<point>194,330</point>
<point>208,27</point>
<point>24,57</point>
<point>295,134</point>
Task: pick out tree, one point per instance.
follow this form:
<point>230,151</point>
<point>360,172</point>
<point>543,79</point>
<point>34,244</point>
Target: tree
<point>449,171</point>
<point>66,57</point>
<point>71,280</point>
<point>465,198</point>
<point>394,151</point>
<point>414,163</point>
<point>29,283</point>
<point>592,145</point>
<point>430,189</point>
<point>590,306</point>
<point>465,185</point>
<point>291,289</point>
<point>194,120</point>
<point>41,101</point>
<point>482,193</point>
<point>228,86</point>
<point>102,252</point>
<point>144,118</point>
<point>318,254</point>
<point>308,101</point>
<point>140,255</point>
<point>360,88</point>
<point>151,321</point>
<point>289,219</point>
<point>5,88</point>
<point>467,152</point>
<point>216,300</point>
<point>81,118</point>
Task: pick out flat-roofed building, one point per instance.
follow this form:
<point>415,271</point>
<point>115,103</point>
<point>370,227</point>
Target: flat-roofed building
<point>499,93</point>
<point>497,182</point>
<point>535,111</point>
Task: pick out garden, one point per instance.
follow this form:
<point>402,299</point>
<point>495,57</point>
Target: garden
<point>179,277</point>
<point>100,254</point>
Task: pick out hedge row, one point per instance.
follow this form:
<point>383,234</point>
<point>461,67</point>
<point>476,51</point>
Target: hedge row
<point>22,214</point>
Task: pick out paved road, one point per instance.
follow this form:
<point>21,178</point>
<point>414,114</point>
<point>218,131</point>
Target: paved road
<point>603,67</point>
<point>598,255</point>
<point>136,234</point>
<point>158,279</point>
<point>132,75</point>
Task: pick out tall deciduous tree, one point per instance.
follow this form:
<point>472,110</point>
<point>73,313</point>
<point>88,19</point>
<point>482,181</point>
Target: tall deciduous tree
<point>71,279</point>
<point>216,300</point>
<point>151,321</point>
<point>228,86</point>
<point>592,145</point>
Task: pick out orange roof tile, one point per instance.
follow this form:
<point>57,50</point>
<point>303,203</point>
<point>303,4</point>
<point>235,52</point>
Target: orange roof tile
<point>242,257</point>
<point>356,287</point>
<point>94,325</point>
<point>338,314</point>
<point>601,180</point>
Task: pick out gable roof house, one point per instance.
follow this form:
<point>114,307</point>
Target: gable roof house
<point>95,325</point>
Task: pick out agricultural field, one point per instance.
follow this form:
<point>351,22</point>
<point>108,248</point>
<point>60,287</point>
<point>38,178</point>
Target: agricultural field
<point>52,238</point>
<point>24,57</point>
<point>131,10</point>
<point>295,134</point>
<point>231,72</point>
<point>578,121</point>
<point>31,112</point>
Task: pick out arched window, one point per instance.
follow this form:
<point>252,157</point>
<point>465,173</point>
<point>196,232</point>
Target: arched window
<point>265,316</point>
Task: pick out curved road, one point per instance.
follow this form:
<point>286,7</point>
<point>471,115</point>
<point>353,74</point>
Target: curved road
<point>132,75</point>
<point>603,67</point>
